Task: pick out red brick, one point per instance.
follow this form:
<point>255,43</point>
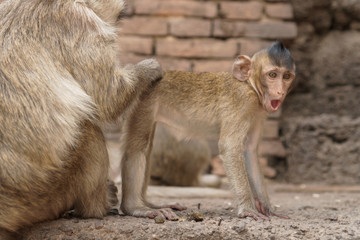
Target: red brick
<point>174,64</point>
<point>176,8</point>
<point>272,148</point>
<point>130,8</point>
<point>190,27</point>
<point>272,30</point>
<point>196,48</point>
<point>271,129</point>
<point>280,10</point>
<point>251,46</point>
<point>144,26</point>
<point>223,28</point>
<point>136,44</point>
<point>213,66</point>
<point>242,10</point>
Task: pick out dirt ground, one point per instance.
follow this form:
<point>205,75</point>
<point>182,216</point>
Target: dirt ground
<point>315,212</point>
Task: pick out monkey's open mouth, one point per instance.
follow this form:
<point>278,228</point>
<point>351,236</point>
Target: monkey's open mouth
<point>275,104</point>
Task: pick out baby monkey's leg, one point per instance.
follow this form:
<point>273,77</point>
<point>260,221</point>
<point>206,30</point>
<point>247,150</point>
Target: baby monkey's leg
<point>135,166</point>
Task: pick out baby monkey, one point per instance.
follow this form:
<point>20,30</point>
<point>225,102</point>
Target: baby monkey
<point>231,106</point>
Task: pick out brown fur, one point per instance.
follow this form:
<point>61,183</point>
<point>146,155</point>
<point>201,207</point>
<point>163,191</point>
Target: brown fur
<point>230,106</point>
<point>59,82</point>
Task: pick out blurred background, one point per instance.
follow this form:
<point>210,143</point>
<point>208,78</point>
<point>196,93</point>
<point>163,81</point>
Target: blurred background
<point>316,135</point>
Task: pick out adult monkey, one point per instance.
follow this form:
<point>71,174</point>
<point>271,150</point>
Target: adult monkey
<point>232,106</point>
<point>59,81</point>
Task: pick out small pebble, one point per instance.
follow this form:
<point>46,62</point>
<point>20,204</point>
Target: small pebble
<point>99,225</point>
<point>175,219</point>
<point>159,219</point>
<point>182,219</point>
<point>315,195</point>
<point>239,228</point>
<point>196,216</point>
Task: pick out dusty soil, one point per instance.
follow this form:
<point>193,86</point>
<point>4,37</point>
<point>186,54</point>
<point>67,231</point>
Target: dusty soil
<point>316,213</point>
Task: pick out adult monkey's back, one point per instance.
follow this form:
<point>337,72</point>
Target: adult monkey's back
<point>59,81</point>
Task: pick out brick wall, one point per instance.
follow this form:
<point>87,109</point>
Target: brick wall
<point>194,35</point>
<point>207,35</point>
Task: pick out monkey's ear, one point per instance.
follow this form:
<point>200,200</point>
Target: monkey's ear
<point>241,68</point>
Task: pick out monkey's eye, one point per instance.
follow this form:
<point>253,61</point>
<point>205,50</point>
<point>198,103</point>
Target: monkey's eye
<point>272,74</point>
<point>287,76</point>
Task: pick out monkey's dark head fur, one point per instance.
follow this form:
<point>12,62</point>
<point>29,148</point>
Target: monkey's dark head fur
<point>280,56</point>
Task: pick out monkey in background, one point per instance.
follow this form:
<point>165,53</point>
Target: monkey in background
<point>173,161</point>
<point>59,82</point>
<point>230,106</point>
<point>178,162</point>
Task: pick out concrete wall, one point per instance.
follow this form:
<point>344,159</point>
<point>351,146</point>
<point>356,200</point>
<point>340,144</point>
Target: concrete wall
<point>321,122</point>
